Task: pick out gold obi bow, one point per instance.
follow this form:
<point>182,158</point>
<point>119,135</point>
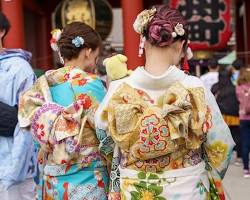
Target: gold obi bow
<point>145,131</point>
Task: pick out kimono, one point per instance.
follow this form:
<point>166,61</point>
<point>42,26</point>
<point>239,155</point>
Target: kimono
<point>60,110</point>
<point>17,153</point>
<point>166,137</point>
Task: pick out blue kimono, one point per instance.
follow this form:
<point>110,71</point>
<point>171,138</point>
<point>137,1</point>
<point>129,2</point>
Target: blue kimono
<point>60,110</point>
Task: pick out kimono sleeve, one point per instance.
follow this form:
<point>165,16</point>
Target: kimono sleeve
<point>106,142</point>
<point>107,145</point>
<point>219,143</point>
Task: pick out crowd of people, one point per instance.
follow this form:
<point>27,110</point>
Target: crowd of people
<point>231,88</point>
<point>155,134</point>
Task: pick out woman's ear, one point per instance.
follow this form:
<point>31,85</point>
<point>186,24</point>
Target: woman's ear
<point>88,52</point>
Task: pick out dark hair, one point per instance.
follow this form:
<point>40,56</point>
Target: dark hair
<point>237,64</point>
<point>224,79</point>
<point>160,28</point>
<point>91,39</point>
<point>225,94</point>
<point>4,24</point>
<point>212,63</point>
<point>101,69</point>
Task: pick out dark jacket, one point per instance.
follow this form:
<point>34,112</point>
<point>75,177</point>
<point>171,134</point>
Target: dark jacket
<point>227,101</point>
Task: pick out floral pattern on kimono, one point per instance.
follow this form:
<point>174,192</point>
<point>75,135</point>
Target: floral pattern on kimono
<point>60,110</point>
<point>169,135</point>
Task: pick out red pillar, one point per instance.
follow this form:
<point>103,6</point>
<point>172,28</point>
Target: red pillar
<point>13,9</point>
<point>130,9</point>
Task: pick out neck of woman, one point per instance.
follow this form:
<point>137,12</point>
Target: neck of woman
<point>75,62</point>
<point>159,60</point>
<point>1,46</point>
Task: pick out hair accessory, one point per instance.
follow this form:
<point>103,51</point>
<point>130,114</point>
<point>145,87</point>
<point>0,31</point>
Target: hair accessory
<point>141,45</point>
<point>78,41</point>
<point>56,35</point>
<point>143,19</point>
<point>178,30</point>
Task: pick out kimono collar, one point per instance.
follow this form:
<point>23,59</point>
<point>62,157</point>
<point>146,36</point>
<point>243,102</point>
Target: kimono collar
<point>9,53</point>
<point>148,81</point>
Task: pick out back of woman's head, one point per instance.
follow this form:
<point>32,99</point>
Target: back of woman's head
<point>70,49</point>
<point>162,26</point>
<point>225,79</point>
<point>244,76</point>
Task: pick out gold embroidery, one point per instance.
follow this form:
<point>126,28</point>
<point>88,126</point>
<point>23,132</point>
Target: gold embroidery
<point>144,131</point>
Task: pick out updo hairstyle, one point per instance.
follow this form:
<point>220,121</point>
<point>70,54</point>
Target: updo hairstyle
<point>91,39</point>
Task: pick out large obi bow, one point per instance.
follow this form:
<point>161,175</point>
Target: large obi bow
<point>145,131</point>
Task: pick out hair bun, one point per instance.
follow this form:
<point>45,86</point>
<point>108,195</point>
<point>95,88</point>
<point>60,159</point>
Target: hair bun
<point>160,32</point>
<point>167,26</point>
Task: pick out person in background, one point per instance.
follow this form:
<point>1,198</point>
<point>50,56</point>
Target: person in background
<point>59,109</point>
<point>225,94</point>
<point>212,76</point>
<point>17,153</point>
<point>243,94</point>
<point>236,66</point>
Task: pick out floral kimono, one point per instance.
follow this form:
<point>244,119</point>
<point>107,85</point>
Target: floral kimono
<point>60,110</point>
<point>170,140</point>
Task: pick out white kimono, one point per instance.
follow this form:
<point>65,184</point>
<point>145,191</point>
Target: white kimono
<point>166,137</point>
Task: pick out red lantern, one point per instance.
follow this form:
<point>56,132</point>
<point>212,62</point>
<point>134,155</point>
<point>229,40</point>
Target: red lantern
<point>209,22</point>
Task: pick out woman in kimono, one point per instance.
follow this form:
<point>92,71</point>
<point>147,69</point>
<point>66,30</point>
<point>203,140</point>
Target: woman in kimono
<point>59,109</point>
<point>170,140</point>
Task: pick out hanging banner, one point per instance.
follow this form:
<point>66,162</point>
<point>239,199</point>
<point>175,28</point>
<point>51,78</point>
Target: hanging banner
<point>209,22</point>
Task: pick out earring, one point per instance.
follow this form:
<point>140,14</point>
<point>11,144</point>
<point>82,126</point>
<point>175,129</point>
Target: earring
<point>141,45</point>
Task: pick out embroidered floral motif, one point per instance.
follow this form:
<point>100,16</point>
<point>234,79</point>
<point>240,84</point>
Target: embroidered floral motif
<point>192,158</point>
<point>66,77</point>
<point>85,100</point>
<point>38,129</point>
<point>150,134</point>
<point>71,145</point>
<point>98,177</point>
<point>217,153</point>
<point>146,190</point>
<point>63,125</point>
<point>150,120</point>
<point>153,165</point>
<point>78,75</point>
<point>208,123</point>
<point>145,96</point>
<point>82,82</point>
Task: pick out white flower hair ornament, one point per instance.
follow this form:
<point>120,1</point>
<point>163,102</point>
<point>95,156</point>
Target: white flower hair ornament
<point>56,35</point>
<point>140,25</point>
<point>143,19</point>
<point>78,41</point>
<point>178,30</point>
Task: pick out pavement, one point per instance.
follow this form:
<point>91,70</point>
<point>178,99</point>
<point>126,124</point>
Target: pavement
<point>236,187</point>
